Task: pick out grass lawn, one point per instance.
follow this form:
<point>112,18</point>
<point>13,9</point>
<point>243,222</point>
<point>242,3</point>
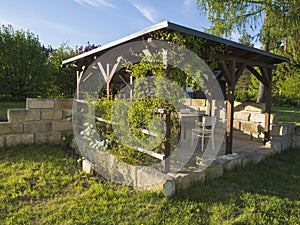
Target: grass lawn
<point>9,105</point>
<point>44,185</point>
<point>287,114</point>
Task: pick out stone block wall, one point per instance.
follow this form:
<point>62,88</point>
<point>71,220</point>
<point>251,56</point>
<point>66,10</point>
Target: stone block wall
<point>296,137</point>
<point>284,136</point>
<point>43,121</point>
<point>249,121</point>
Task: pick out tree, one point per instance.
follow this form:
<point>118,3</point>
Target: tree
<point>61,81</point>
<point>278,21</point>
<point>245,82</point>
<point>23,66</point>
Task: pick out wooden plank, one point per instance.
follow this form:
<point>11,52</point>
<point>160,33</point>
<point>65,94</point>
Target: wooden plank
<point>268,91</point>
<point>151,153</point>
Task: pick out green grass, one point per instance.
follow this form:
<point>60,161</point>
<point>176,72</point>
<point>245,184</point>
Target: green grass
<point>44,185</point>
<point>9,105</point>
<point>287,114</point>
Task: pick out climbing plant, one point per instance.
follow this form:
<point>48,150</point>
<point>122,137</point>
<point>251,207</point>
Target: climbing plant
<point>151,97</point>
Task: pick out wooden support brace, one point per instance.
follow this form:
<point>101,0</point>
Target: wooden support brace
<point>260,77</point>
<point>124,80</point>
<point>226,72</point>
<point>239,72</point>
<point>166,146</point>
<point>265,74</point>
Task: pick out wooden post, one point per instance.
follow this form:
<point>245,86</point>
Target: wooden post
<point>229,117</point>
<point>268,92</point>
<point>208,107</point>
<point>79,74</point>
<point>131,89</point>
<point>230,75</point>
<point>107,89</point>
<point>166,146</point>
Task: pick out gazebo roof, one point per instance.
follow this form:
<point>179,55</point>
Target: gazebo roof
<point>233,50</point>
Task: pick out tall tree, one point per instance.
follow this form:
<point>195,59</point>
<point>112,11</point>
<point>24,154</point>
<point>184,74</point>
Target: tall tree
<point>23,67</point>
<point>61,81</point>
<point>278,20</point>
<point>242,86</point>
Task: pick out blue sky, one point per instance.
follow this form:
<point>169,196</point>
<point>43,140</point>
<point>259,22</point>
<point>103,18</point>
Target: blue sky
<point>97,21</point>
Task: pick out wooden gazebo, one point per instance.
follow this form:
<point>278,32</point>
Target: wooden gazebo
<point>233,60</point>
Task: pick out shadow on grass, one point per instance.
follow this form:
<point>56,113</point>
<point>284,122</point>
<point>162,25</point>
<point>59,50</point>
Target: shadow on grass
<point>277,176</point>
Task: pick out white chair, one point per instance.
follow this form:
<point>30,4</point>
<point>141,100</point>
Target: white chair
<point>205,129</point>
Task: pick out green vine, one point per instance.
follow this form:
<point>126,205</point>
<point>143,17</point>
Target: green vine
<point>141,112</point>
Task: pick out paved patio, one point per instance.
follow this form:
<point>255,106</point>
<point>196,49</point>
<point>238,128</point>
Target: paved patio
<point>240,146</point>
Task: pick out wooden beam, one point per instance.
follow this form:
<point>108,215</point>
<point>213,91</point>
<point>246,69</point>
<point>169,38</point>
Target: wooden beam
<point>79,74</point>
<point>208,107</point>
<point>239,72</point>
<point>268,91</point>
<point>151,153</point>
<point>230,107</point>
<point>124,80</point>
<point>107,89</point>
<point>131,90</point>
<point>229,118</point>
<point>257,75</point>
<point>226,72</point>
<point>239,60</point>
<point>265,74</point>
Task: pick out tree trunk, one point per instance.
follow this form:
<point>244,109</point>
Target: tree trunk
<point>261,98</point>
<point>266,47</point>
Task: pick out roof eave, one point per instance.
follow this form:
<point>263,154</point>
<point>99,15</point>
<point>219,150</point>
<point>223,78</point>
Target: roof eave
<point>155,27</point>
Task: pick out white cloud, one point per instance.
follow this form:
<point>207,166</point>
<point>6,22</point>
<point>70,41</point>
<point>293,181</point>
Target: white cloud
<point>95,3</point>
<point>146,11</point>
